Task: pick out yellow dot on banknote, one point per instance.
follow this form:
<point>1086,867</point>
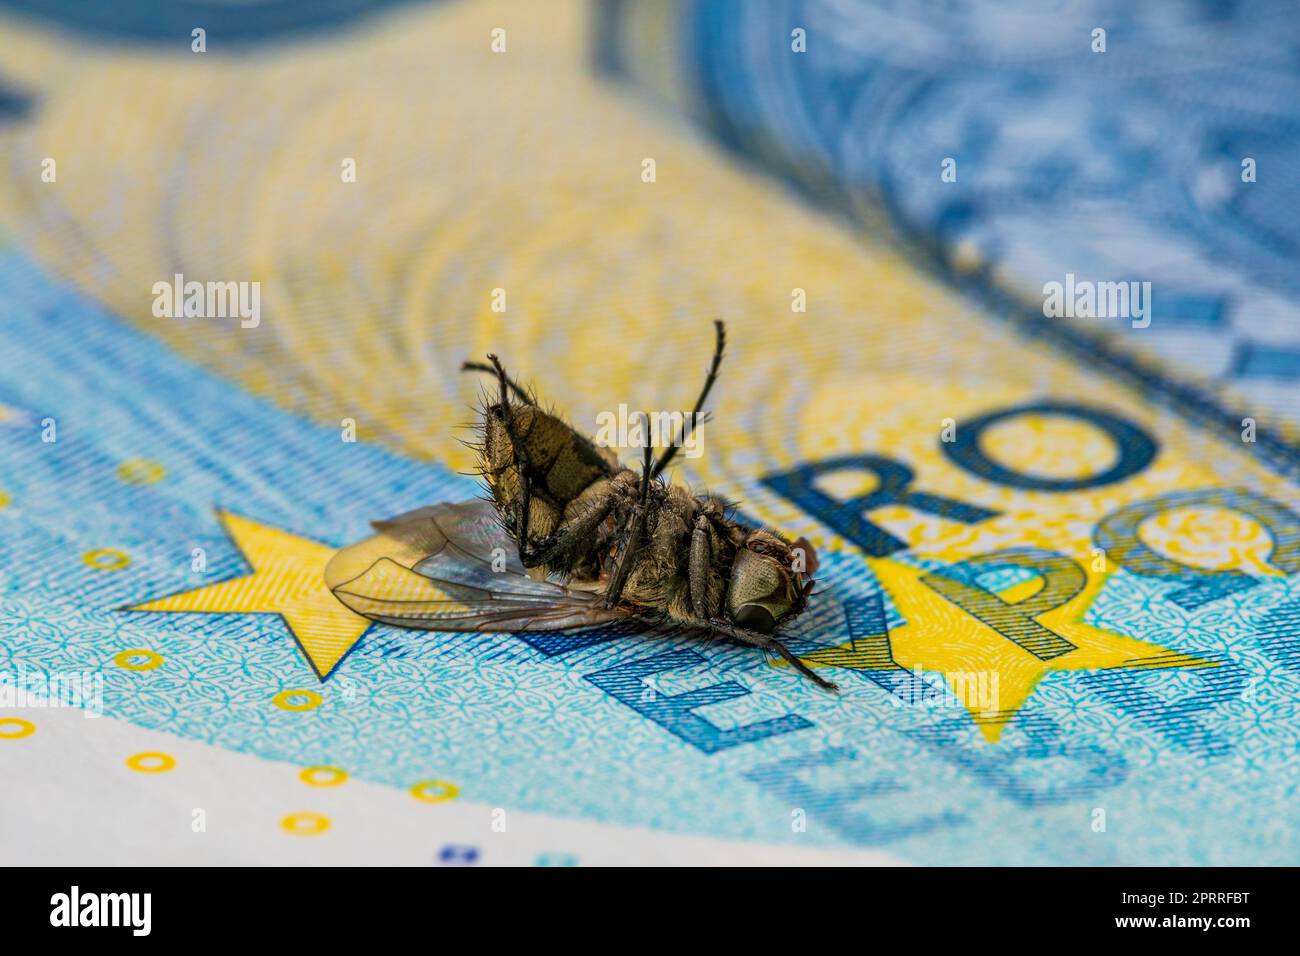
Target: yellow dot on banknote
<point>297,700</point>
<point>305,823</point>
<point>140,471</point>
<point>435,791</point>
<point>15,728</point>
<point>323,776</point>
<point>151,762</point>
<point>4,499</point>
<point>138,659</point>
<point>106,559</point>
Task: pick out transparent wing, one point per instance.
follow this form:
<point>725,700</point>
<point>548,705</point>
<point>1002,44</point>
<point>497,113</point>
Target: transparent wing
<point>452,567</point>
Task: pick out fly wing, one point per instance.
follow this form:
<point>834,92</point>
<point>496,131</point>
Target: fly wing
<point>452,567</point>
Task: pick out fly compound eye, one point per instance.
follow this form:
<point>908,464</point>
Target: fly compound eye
<point>756,595</point>
<point>755,617</point>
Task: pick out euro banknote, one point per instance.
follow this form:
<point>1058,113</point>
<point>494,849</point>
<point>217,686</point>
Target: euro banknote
<point>1062,610</point>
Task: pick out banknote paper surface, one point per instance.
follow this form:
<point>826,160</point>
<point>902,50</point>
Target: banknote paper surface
<point>1063,606</point>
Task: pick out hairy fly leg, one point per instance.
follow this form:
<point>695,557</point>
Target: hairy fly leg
<point>527,553</point>
<point>636,536</point>
<point>572,540</point>
<point>770,643</point>
<point>521,393</point>
<point>699,568</point>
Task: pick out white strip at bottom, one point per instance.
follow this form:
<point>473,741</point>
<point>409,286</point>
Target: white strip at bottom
<point>82,791</point>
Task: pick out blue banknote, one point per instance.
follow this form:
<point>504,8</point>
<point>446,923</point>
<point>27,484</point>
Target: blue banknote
<point>1190,766</point>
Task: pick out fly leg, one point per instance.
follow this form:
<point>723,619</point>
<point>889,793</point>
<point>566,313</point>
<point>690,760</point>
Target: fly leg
<point>495,369</point>
<point>770,643</point>
<point>627,557</point>
<point>527,554</point>
<point>701,558</point>
<point>566,546</point>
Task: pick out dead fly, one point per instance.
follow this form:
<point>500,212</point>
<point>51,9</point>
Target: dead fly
<point>570,539</point>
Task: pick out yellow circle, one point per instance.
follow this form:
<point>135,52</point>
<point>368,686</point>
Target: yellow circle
<point>323,776</point>
<point>151,762</point>
<point>1050,446</point>
<point>140,471</point>
<point>285,699</point>
<point>305,824</point>
<point>4,499</point>
<point>435,791</point>
<point>151,662</point>
<point>106,559</point>
<point>1211,537</point>
<point>23,728</point>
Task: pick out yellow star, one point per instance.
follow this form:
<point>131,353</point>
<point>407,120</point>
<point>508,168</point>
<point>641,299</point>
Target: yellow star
<point>973,656</point>
<point>287,580</point>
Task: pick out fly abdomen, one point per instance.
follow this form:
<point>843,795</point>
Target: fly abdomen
<point>561,463</point>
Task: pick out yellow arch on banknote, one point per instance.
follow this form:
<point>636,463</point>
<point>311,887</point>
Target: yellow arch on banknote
<point>520,172</point>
